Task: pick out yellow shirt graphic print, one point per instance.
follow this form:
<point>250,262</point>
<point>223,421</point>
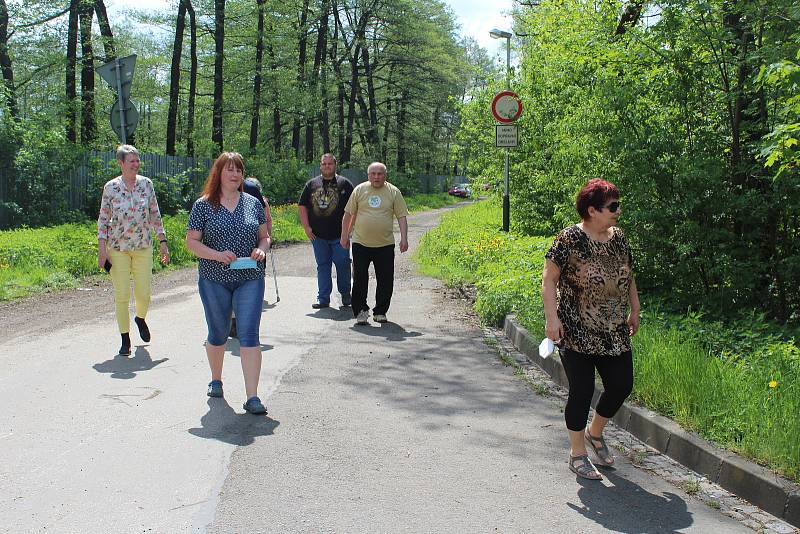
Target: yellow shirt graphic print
<point>374,201</point>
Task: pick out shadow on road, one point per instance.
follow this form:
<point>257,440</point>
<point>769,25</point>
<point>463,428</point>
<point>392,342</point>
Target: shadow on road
<point>224,424</point>
<point>627,507</point>
<point>232,346</point>
<point>124,367</point>
<point>391,331</point>
<point>343,313</point>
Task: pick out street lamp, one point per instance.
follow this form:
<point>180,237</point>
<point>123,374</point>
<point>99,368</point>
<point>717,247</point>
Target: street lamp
<point>500,34</point>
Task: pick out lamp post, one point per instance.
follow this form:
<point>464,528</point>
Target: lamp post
<point>500,34</point>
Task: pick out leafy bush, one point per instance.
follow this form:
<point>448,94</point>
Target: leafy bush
<point>282,181</point>
<point>176,192</point>
<point>407,184</point>
<point>39,177</point>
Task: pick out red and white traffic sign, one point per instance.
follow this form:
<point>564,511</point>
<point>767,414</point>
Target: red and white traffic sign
<point>506,107</point>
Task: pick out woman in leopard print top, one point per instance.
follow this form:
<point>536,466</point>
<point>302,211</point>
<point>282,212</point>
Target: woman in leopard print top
<point>591,310</point>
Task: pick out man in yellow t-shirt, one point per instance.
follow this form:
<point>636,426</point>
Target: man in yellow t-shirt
<point>369,215</point>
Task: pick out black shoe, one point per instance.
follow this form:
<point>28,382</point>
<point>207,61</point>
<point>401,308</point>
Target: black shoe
<point>254,406</point>
<point>144,332</point>
<point>125,348</point>
<point>320,305</point>
<point>233,332</point>
<point>215,388</point>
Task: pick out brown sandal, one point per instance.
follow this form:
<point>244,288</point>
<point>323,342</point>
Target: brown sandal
<point>586,469</point>
<point>602,452</point>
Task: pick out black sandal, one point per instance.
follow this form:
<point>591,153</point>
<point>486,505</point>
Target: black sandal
<point>602,452</point>
<point>586,469</point>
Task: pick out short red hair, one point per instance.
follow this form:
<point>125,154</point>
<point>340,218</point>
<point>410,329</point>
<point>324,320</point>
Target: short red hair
<point>595,193</point>
<point>212,190</point>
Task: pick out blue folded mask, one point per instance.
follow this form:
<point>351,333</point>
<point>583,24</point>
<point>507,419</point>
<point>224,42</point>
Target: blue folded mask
<point>243,263</point>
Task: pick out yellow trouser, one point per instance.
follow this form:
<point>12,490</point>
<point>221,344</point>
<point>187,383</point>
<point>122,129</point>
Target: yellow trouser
<point>136,264</point>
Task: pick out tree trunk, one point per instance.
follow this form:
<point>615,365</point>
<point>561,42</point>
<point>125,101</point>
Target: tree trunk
<point>340,98</point>
<point>340,94</point>
<point>105,31</point>
<point>319,55</point>
<point>324,119</point>
<point>320,60</point>
<point>372,125</point>
<point>192,79</point>
<point>429,157</point>
<point>257,80</point>
<point>385,143</point>
<point>387,127</point>
<point>277,127</point>
<point>70,82</point>
<point>5,63</point>
<point>354,53</point>
<point>351,112</point>
<point>401,138</point>
<point>301,74</point>
<point>175,80</point>
<point>219,57</point>
<point>88,123</point>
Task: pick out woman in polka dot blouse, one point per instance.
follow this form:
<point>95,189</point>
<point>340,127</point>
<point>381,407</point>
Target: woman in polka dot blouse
<point>228,233</point>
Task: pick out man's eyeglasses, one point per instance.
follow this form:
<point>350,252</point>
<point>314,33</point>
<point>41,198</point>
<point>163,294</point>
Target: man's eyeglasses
<point>613,207</point>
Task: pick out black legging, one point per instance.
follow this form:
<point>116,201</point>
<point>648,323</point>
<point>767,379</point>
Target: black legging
<point>616,373</point>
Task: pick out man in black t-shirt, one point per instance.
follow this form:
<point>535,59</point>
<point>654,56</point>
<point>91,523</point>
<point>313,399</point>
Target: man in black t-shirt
<point>321,208</point>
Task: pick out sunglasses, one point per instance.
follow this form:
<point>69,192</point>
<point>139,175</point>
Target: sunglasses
<point>613,207</point>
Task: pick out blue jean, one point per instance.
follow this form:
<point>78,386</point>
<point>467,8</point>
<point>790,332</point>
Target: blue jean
<point>244,298</point>
<point>329,252</point>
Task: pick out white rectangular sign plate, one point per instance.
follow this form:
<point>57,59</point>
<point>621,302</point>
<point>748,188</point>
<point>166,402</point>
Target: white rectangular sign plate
<point>506,135</point>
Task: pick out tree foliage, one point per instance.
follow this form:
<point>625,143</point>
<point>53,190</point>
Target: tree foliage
<point>693,113</point>
<point>283,81</point>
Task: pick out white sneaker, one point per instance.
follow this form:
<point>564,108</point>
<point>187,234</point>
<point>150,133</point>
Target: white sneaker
<point>379,318</point>
<point>363,317</point>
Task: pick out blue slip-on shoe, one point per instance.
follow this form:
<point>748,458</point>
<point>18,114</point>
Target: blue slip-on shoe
<point>215,388</point>
<point>254,406</point>
<point>320,305</point>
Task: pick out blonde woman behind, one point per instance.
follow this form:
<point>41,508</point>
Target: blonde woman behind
<point>128,214</point>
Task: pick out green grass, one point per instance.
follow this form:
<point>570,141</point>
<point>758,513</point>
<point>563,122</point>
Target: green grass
<point>36,260</point>
<point>429,201</point>
<point>737,388</point>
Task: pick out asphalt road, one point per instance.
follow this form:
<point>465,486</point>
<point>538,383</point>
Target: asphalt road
<point>410,426</point>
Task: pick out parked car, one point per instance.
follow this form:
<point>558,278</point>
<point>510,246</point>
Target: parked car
<point>460,190</point>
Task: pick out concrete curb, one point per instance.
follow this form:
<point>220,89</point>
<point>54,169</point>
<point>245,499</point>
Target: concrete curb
<point>748,480</point>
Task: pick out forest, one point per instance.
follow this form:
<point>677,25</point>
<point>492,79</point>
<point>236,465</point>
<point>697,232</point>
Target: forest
<point>280,81</point>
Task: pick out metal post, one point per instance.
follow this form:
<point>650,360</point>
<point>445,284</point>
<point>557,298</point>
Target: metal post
<point>274,275</point>
<point>121,100</point>
<point>506,201</point>
<point>508,63</point>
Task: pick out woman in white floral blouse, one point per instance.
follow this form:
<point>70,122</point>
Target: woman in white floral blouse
<point>128,213</point>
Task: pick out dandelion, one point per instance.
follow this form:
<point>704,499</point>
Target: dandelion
<point>773,383</point>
